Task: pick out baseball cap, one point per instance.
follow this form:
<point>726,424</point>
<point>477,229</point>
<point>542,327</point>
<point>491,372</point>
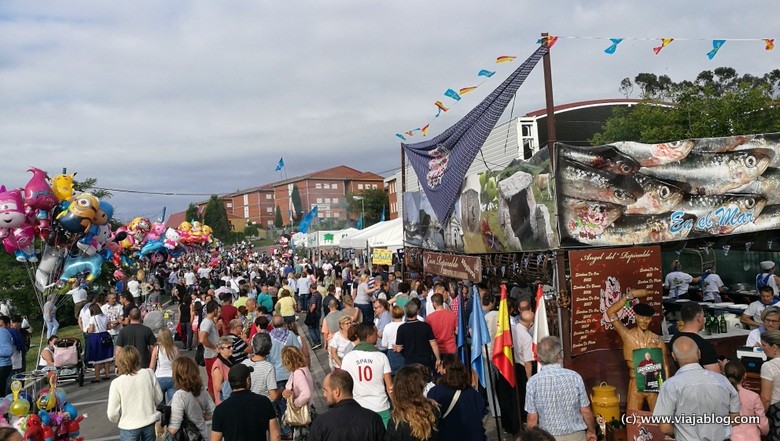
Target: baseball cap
<point>238,374</point>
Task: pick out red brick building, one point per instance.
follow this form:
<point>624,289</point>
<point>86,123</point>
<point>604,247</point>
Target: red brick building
<point>325,188</point>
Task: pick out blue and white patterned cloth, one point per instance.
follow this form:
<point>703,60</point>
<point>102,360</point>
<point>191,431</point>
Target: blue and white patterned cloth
<point>556,394</point>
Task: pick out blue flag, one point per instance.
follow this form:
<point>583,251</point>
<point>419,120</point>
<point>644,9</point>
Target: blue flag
<point>479,337</point>
<point>461,338</point>
<point>452,94</point>
<point>359,223</point>
<point>485,73</point>
<point>441,162</point>
<point>310,216</point>
<point>382,217</point>
<point>280,165</point>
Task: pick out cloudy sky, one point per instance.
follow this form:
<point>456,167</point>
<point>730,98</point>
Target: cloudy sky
<point>204,97</point>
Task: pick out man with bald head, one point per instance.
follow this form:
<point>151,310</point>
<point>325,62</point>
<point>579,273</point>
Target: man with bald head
<point>522,345</point>
<point>695,390</point>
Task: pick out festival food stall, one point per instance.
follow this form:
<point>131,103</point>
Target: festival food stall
<point>613,218</point>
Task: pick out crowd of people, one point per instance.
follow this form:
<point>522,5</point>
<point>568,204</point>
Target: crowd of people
<point>255,322</point>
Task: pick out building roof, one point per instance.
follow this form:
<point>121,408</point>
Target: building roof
<point>175,219</point>
<point>584,104</point>
<point>340,172</point>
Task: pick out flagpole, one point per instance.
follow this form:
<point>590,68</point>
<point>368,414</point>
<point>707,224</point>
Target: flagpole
<point>492,393</point>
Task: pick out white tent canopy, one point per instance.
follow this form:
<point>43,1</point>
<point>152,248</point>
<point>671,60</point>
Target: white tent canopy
<point>387,234</point>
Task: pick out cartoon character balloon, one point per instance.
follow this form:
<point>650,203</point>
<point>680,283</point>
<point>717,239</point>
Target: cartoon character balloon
<point>80,213</point>
<point>62,186</point>
<point>20,407</point>
<point>17,232</point>
<point>40,199</point>
<point>171,239</point>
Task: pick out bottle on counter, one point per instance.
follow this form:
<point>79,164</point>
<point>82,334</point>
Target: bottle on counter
<point>707,323</point>
<point>722,325</point>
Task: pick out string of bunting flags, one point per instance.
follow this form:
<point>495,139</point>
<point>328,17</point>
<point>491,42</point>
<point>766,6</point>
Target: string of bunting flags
<point>549,41</point>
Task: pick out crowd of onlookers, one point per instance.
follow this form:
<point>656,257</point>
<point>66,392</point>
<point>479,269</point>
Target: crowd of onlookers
<point>257,323</point>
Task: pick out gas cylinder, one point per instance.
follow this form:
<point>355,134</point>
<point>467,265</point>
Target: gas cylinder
<point>606,402</point>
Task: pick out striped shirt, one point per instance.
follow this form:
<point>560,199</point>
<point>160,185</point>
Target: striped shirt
<point>694,390</point>
<point>556,394</point>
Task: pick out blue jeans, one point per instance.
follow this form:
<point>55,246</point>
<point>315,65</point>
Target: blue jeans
<point>280,406</point>
<point>368,312</point>
<point>304,301</point>
<point>396,360</point>
<point>140,434</point>
<point>166,386</point>
<point>314,332</point>
<point>52,327</point>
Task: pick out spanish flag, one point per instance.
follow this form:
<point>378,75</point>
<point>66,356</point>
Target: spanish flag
<point>503,358</point>
<point>505,59</point>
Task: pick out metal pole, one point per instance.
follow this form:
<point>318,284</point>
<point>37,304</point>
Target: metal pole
<point>492,392</point>
<point>560,268</point>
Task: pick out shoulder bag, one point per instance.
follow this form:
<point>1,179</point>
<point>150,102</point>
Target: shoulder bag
<point>297,416</point>
<point>452,404</point>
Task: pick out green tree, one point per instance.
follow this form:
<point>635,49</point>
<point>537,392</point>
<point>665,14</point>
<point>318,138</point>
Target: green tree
<point>278,222</point>
<point>88,185</point>
<point>297,206</point>
<point>215,216</point>
<point>373,202</point>
<point>251,230</point>
<point>192,214</point>
<point>716,103</point>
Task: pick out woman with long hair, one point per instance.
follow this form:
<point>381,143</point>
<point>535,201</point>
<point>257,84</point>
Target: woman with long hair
<point>340,343</point>
<point>163,354</point>
<point>285,306</point>
<point>99,341</point>
<point>133,397</point>
<point>461,404</point>
<point>191,398</point>
<point>414,417</point>
<point>749,405</point>
<point>305,349</point>
<point>300,385</point>
<point>220,368</point>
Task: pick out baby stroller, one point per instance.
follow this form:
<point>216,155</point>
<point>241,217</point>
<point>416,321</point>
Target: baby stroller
<point>68,361</point>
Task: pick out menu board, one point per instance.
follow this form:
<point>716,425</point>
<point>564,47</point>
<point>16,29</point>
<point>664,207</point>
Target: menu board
<point>599,278</point>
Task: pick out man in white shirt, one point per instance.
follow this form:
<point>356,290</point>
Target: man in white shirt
<point>677,282</point>
<point>113,312</point>
<point>711,284</point>
<point>79,299</point>
<point>370,371</point>
<point>190,280</point>
<point>135,289</point>
<point>83,318</point>
<point>522,347</point>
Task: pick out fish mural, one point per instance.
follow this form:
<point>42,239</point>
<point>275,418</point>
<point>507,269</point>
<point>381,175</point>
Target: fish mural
<point>690,188</point>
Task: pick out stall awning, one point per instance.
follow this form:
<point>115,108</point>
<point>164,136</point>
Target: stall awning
<point>360,239</point>
<point>391,237</point>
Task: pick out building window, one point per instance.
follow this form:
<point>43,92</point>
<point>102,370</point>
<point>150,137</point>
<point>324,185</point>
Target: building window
<point>246,199</point>
<point>335,200</point>
<point>334,186</point>
<point>374,186</point>
<point>336,214</point>
<point>246,212</point>
<point>320,214</point>
<point>270,223</point>
<point>269,209</point>
<point>360,186</point>
<point>319,200</point>
<point>327,214</point>
<point>318,185</point>
<point>327,200</point>
<point>229,205</point>
<point>326,185</point>
<point>268,196</point>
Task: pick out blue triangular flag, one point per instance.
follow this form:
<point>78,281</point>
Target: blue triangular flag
<point>452,94</point>
<point>615,42</point>
<point>716,45</point>
<point>485,73</point>
<point>280,165</point>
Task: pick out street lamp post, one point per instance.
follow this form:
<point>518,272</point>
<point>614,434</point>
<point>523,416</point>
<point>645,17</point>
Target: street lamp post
<point>362,207</point>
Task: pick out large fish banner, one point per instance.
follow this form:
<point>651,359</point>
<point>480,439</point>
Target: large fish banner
<point>630,193</point>
<point>508,210</point>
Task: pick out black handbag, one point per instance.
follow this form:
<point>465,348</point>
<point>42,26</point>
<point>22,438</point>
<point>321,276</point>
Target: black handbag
<point>187,432</point>
<point>105,339</point>
<point>199,357</point>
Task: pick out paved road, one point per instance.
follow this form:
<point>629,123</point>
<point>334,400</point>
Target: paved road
<point>91,400</point>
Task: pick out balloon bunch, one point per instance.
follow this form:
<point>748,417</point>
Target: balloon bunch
<point>56,419</point>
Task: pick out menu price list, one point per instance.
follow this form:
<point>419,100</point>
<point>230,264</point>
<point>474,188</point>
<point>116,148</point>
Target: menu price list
<point>600,277</point>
